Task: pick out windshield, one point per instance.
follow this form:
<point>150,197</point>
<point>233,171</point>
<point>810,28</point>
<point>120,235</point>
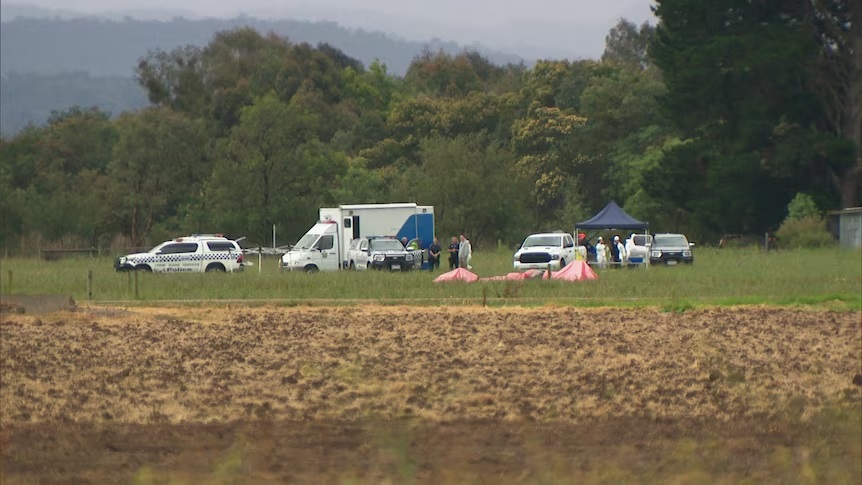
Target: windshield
<point>160,246</point>
<point>387,245</point>
<point>306,241</point>
<point>533,241</point>
<point>670,240</point>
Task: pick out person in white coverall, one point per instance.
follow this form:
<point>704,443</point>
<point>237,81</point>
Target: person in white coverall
<point>622,249</point>
<point>630,243</point>
<point>465,253</point>
<point>601,252</point>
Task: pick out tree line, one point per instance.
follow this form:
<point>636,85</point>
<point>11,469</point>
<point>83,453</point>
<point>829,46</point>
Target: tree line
<point>709,123</point>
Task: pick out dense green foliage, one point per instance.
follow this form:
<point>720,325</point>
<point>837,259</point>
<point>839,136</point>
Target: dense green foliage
<point>804,226</point>
<point>713,132</point>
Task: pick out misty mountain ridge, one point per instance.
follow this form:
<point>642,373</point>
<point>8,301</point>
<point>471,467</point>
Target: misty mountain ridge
<point>53,59</point>
<point>549,29</point>
<point>102,46</point>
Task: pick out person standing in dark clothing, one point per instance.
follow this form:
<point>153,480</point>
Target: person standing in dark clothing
<point>453,253</point>
<point>615,252</point>
<point>434,255</point>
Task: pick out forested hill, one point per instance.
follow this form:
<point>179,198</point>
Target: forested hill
<point>710,123</point>
<point>103,47</point>
<point>52,64</point>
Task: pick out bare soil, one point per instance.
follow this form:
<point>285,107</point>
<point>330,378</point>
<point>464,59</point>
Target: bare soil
<point>377,394</point>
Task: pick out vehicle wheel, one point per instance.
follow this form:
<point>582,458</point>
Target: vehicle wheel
<point>562,263</point>
<point>311,269</point>
<point>215,268</point>
<point>144,268</point>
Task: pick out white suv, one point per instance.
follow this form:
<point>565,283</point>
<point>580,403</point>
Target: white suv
<point>192,254</point>
<point>554,249</point>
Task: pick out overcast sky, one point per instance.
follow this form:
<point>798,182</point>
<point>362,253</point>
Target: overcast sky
<point>530,28</point>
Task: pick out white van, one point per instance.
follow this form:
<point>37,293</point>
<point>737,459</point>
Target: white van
<point>316,251</point>
<point>324,247</point>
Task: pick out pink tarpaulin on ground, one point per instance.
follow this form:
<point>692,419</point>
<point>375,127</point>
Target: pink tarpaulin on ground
<point>575,271</point>
<point>517,276</point>
<point>508,277</point>
<point>459,274</point>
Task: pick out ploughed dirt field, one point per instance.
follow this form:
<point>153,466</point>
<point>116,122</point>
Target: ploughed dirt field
<point>375,394</point>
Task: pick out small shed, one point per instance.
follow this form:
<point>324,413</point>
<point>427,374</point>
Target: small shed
<point>849,226</point>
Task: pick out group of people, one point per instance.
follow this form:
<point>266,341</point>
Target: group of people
<point>615,252</point>
<point>460,253</point>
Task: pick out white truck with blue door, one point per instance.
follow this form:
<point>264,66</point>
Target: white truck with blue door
<point>324,247</point>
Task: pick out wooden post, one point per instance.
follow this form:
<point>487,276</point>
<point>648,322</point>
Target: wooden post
<point>90,284</point>
<point>136,284</point>
<point>128,282</point>
<point>9,282</point>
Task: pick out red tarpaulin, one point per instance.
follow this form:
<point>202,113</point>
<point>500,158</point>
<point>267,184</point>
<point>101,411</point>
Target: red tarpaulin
<point>459,274</point>
<point>575,271</point>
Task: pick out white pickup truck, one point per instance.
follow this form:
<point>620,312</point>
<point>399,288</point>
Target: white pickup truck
<point>554,249</point>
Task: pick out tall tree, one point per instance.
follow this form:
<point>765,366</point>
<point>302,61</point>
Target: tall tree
<point>61,179</point>
<point>272,170</point>
<point>158,164</point>
<point>627,44</point>
<point>471,181</point>
<point>738,77</point>
<point>837,79</point>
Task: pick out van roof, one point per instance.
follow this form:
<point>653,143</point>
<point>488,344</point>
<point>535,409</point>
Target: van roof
<point>404,205</point>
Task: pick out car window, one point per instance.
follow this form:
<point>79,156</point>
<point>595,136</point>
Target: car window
<point>364,244</point>
<point>640,240</point>
<point>325,242</point>
<point>533,241</point>
<point>179,248</point>
<point>221,246</point>
<point>387,245</point>
<point>354,244</point>
<point>569,242</point>
<point>670,240</point>
<point>160,246</point>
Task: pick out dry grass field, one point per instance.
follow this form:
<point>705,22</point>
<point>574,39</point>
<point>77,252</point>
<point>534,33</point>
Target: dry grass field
<point>433,395</point>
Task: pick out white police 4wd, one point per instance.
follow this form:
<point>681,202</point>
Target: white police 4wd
<point>191,254</point>
<point>554,249</point>
<point>379,253</point>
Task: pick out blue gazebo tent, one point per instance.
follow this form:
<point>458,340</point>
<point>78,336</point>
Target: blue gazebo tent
<point>612,217</point>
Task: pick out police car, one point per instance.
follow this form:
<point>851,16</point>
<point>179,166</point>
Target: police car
<point>191,254</point>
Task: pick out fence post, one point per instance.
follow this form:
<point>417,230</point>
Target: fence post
<point>136,284</point>
<point>9,282</point>
<point>90,284</point>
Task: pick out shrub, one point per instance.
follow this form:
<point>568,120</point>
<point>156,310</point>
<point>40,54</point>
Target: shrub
<point>804,232</point>
<point>802,206</point>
